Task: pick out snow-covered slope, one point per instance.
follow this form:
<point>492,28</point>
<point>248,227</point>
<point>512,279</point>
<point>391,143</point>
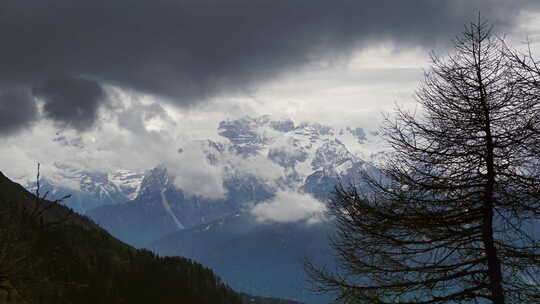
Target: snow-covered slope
<point>298,153</point>
<point>305,147</point>
<point>88,190</point>
<point>257,157</point>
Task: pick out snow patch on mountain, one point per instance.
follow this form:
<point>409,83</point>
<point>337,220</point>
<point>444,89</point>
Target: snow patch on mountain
<point>368,146</point>
<point>87,189</point>
<point>128,181</point>
<point>297,151</point>
<point>167,207</point>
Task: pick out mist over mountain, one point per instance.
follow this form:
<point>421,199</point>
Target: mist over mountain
<point>275,154</point>
<point>253,211</point>
<point>160,208</point>
<point>216,132</point>
<point>258,166</point>
<point>89,190</point>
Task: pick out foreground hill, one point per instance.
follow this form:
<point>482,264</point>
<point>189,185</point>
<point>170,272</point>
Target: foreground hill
<point>51,255</point>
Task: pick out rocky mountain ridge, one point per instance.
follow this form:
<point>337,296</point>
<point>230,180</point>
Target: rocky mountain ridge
<point>89,190</point>
<point>259,158</point>
<point>299,157</point>
<point>276,176</point>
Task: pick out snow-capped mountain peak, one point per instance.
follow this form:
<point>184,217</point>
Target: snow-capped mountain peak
<point>87,189</point>
<point>260,153</point>
<point>128,181</point>
<point>155,179</point>
<point>299,149</point>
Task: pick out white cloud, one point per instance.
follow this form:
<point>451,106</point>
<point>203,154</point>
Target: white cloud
<point>195,175</point>
<point>256,165</point>
<point>290,206</point>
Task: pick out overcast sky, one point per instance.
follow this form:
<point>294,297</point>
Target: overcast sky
<point>122,84</point>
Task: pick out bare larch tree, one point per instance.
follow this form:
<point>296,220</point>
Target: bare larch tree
<point>23,220</point>
<point>452,217</point>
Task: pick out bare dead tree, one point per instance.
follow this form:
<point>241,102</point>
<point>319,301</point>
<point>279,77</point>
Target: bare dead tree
<point>20,224</point>
<point>452,219</point>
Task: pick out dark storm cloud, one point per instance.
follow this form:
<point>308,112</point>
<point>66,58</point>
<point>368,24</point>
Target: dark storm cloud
<point>71,102</point>
<point>17,111</point>
<point>134,117</point>
<point>190,50</point>
<point>66,141</point>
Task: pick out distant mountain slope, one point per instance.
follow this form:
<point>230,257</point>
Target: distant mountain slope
<point>78,262</point>
<point>161,208</point>
<point>249,299</point>
<point>264,259</point>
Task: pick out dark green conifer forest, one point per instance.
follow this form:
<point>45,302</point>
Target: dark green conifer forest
<point>48,254</point>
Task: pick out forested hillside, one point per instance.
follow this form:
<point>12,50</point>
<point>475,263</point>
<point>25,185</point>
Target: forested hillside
<point>50,255</point>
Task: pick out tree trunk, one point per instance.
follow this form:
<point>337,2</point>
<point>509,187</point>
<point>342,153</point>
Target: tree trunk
<point>494,265</point>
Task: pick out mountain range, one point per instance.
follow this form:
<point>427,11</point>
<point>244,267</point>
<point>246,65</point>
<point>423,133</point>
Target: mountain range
<point>89,190</point>
<point>274,179</point>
